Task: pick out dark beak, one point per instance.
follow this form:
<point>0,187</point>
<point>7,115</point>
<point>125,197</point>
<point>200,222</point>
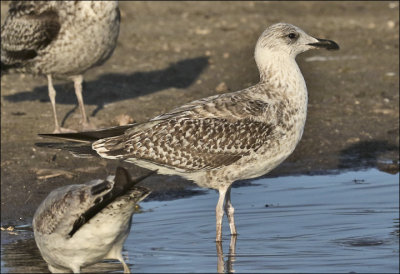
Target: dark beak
<point>324,43</point>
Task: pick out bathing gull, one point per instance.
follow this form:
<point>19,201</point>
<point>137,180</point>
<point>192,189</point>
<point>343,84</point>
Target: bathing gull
<point>59,39</point>
<point>79,225</point>
<point>218,140</point>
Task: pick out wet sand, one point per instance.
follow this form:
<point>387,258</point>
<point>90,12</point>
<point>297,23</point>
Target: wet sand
<point>170,53</point>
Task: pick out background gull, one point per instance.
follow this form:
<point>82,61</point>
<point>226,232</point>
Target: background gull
<point>59,39</point>
<point>218,140</point>
<point>79,225</point>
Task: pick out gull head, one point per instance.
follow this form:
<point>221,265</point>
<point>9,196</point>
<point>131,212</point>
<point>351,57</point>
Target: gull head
<point>287,40</point>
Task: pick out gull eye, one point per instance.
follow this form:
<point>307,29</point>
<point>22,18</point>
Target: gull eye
<point>292,35</point>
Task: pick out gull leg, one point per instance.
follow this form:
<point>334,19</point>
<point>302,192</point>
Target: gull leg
<point>78,92</point>
<point>52,96</point>
<point>119,257</point>
<point>229,210</point>
<point>219,212</point>
<point>76,269</point>
<point>126,268</point>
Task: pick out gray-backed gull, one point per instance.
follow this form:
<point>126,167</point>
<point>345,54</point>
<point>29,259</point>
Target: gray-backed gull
<point>218,140</point>
<point>59,39</point>
<point>79,225</point>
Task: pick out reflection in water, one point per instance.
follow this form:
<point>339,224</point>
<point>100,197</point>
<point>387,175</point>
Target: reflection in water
<point>23,256</point>
<point>228,267</point>
<point>396,226</point>
<point>339,223</point>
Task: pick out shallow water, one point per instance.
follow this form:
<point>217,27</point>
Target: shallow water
<point>330,223</point>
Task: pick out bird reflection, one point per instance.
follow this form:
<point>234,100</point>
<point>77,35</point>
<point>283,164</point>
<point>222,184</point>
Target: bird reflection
<point>222,266</point>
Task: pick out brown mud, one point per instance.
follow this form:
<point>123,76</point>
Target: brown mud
<point>170,53</point>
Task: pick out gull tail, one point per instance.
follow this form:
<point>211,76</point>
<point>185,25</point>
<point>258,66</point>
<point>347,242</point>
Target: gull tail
<point>80,143</point>
<point>123,183</point>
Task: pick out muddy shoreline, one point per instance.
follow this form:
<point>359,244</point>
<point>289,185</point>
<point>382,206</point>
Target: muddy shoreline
<point>170,53</point>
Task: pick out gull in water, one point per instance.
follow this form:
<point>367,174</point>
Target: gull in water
<point>79,225</point>
<point>218,140</point>
<point>59,39</point>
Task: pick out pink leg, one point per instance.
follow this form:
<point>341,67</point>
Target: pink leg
<point>219,212</point>
<point>52,96</point>
<point>78,91</point>
<point>229,210</point>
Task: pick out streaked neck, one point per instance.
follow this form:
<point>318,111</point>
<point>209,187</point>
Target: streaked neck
<point>282,72</point>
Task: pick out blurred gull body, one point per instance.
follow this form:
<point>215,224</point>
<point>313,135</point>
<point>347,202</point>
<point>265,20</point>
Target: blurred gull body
<point>59,39</point>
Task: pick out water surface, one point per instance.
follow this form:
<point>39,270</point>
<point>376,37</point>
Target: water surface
<point>330,223</point>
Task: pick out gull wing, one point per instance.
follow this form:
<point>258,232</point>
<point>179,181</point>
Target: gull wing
<point>205,134</point>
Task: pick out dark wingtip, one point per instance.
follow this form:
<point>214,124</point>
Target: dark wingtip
<point>141,178</point>
<point>70,136</point>
<point>97,189</point>
<point>89,136</point>
<point>77,224</point>
<point>122,176</point>
<point>122,183</point>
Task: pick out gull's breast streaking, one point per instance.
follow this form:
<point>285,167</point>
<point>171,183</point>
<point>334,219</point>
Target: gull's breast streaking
<point>59,39</point>
<point>79,225</point>
<point>218,140</point>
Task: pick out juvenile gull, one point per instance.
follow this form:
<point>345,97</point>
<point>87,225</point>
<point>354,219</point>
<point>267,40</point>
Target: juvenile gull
<point>79,225</point>
<point>59,39</point>
<point>218,140</point>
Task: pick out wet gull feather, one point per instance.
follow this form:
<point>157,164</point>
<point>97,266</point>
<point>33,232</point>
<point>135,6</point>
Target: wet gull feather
<point>218,140</point>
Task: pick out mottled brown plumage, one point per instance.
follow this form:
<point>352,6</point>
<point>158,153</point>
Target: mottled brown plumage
<point>191,143</point>
<point>224,138</point>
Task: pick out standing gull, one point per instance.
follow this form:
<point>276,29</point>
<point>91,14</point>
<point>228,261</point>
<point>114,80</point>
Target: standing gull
<point>79,225</point>
<point>59,39</point>
<point>218,140</point>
